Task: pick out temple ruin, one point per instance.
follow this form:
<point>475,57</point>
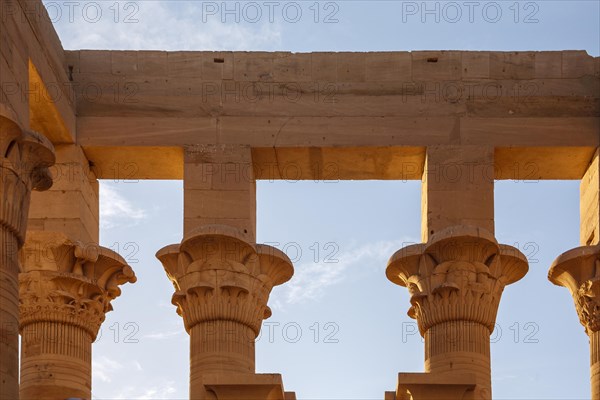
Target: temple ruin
<point>177,115</point>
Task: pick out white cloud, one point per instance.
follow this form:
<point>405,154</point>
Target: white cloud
<point>158,25</point>
<point>161,391</point>
<point>109,372</point>
<point>165,335</point>
<point>103,367</point>
<point>137,365</point>
<point>116,210</point>
<point>311,280</point>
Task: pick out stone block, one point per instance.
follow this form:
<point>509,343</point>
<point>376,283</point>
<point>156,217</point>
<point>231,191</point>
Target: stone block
<point>386,67</point>
<point>514,65</point>
<point>476,65</point>
<point>436,65</point>
<point>548,64</point>
<point>576,64</point>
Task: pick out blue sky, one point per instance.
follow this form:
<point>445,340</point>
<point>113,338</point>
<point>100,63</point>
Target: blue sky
<point>355,335</point>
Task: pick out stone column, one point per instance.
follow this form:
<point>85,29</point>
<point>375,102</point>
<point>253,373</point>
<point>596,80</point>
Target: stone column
<point>222,278</point>
<point>456,281</point>
<point>579,269</point>
<point>457,276</point>
<point>24,161</point>
<point>222,285</point>
<point>66,288</point>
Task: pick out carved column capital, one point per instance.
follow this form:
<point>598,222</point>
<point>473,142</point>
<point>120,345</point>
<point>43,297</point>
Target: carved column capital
<point>458,275</point>
<point>222,285</point>
<point>456,281</point>
<point>24,161</point>
<point>579,271</point>
<point>219,276</point>
<point>63,281</point>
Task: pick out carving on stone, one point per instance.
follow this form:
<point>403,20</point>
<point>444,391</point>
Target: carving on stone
<point>218,276</point>
<point>579,271</point>
<point>24,161</point>
<point>222,285</point>
<point>63,281</point>
<point>459,275</point>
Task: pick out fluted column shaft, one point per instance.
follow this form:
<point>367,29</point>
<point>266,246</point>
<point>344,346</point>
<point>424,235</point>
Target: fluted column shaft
<point>459,346</point>
<point>226,346</point>
<point>9,316</point>
<point>223,347</point>
<point>595,364</point>
<point>55,361</point>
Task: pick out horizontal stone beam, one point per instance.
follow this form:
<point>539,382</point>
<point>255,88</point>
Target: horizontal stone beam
<point>342,131</point>
<point>337,115</point>
<point>341,163</point>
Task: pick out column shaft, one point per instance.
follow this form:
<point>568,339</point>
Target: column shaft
<point>595,364</point>
<point>56,361</point>
<point>9,316</point>
<point>221,347</point>
<point>459,346</point>
<point>225,346</point>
